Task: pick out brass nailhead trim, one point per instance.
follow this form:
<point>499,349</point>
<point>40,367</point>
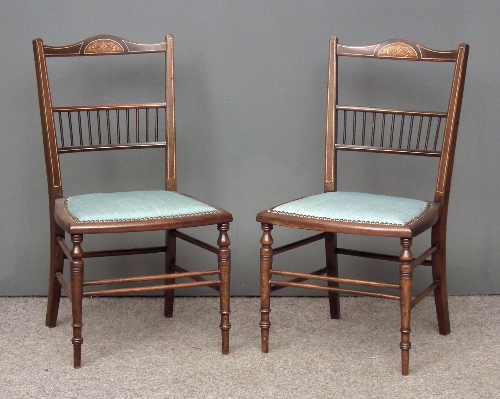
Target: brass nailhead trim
<point>76,220</point>
<point>351,221</point>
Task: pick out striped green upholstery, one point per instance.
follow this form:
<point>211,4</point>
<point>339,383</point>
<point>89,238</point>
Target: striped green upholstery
<point>356,207</point>
<point>133,205</point>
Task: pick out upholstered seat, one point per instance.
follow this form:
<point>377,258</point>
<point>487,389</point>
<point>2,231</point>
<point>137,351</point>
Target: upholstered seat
<point>133,205</point>
<point>355,207</point>
<point>356,213</point>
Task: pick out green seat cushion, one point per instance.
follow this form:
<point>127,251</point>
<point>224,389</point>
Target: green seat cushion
<point>134,205</point>
<point>356,207</point>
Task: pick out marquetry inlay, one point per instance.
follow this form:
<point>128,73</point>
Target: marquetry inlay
<point>398,50</point>
<point>103,46</point>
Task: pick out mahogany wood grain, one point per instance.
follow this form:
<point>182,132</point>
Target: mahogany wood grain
<point>319,272</point>
<point>224,264</point>
<point>84,128</point>
<point>422,133</point>
<point>405,283</point>
<point>266,254</point>
<point>76,270</point>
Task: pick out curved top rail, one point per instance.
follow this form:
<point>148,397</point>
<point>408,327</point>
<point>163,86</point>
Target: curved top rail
<point>102,45</point>
<point>400,49</point>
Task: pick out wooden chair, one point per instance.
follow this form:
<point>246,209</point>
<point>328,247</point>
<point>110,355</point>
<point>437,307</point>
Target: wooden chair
<point>88,128</point>
<point>374,130</point>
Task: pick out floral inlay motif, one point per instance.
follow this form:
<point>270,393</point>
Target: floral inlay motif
<point>398,50</point>
<point>103,46</point>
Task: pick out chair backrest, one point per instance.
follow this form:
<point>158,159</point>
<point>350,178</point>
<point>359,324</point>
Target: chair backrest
<point>84,128</point>
<point>395,131</point>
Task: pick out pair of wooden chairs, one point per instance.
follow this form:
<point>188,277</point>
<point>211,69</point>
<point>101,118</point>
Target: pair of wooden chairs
<point>89,128</point>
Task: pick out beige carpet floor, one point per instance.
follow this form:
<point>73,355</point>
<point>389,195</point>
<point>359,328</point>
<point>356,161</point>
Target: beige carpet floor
<point>131,351</point>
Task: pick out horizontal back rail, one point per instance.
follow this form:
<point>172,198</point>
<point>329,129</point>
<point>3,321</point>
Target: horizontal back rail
<point>108,127</point>
<point>389,130</point>
<point>103,45</point>
<point>401,49</point>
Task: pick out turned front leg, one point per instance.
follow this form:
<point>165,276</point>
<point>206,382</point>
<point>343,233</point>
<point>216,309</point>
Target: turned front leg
<point>405,281</point>
<point>76,268</point>
<point>266,261</point>
<point>224,259</point>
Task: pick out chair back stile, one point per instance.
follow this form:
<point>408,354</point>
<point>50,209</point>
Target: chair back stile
<point>52,164</point>
<point>443,183</point>
<point>170,162</point>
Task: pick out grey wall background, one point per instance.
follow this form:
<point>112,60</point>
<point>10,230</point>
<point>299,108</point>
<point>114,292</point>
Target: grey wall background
<point>250,90</point>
